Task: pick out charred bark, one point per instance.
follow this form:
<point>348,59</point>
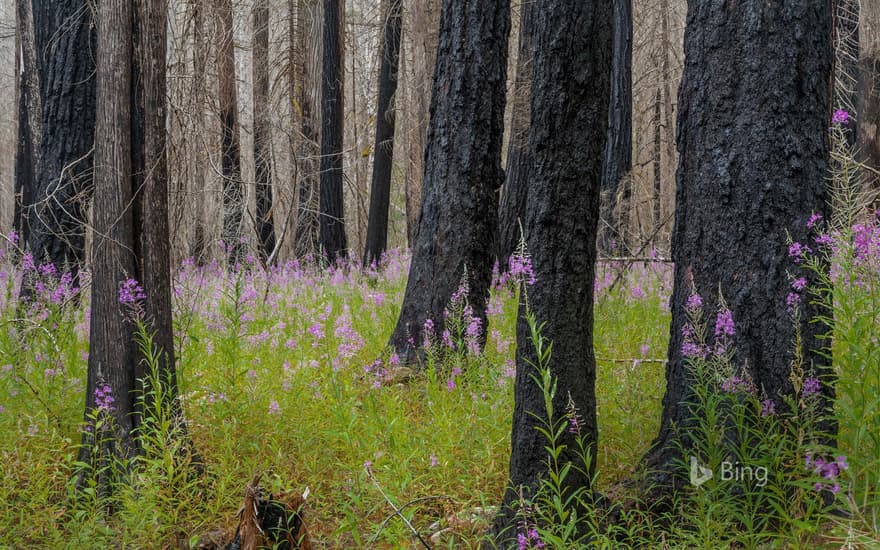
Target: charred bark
<point>265,227</point>
<point>515,190</point>
<point>753,147</point>
<point>569,117</point>
<point>383,152</point>
<point>30,122</point>
<point>332,215</point>
<point>616,189</point>
<point>459,212</point>
<point>65,61</point>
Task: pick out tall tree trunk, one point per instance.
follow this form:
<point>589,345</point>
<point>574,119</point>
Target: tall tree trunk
<point>265,227</point>
<point>868,112</point>
<point>302,95</point>
<point>65,46</point>
<point>753,143</point>
<point>383,152</point>
<point>233,191</point>
<point>112,355</point>
<point>570,95</point>
<point>657,194</point>
<point>618,149</point>
<point>29,117</point>
<point>515,190</point>
<point>198,245</point>
<point>332,217</point>
<point>459,213</point>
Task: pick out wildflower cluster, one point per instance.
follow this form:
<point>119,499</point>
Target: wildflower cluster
<point>828,470</point>
<point>104,398</point>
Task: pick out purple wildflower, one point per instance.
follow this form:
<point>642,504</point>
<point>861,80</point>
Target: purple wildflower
<point>130,292</point>
<point>274,408</point>
<point>797,252</point>
<point>768,408</point>
<point>840,117</point>
<point>811,386</point>
<point>824,240</point>
<point>814,219</point>
<point>724,324</point>
<point>694,302</point>
<point>799,284</point>
<point>104,398</point>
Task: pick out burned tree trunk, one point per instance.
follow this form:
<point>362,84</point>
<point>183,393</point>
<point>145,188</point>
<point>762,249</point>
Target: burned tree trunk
<point>459,212</point>
<point>112,354</point>
<point>570,95</point>
<point>618,149</point>
<point>383,152</point>
<point>265,227</point>
<point>30,122</point>
<point>753,145</point>
<point>515,190</point>
<point>868,111</point>
<point>233,191</point>
<point>332,215</point>
<point>65,46</point>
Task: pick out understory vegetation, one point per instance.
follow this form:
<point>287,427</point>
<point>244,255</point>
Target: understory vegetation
<point>282,372</point>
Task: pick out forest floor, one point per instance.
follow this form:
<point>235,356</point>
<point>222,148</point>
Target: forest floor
<point>286,374</point>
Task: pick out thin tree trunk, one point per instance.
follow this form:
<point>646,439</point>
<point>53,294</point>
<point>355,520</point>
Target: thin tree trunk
<point>265,227</point>
<point>569,109</point>
<point>459,213</point>
<point>29,117</point>
<point>868,112</point>
<point>657,195</point>
<point>515,190</point>
<point>383,151</point>
<point>199,245</point>
<point>754,101</point>
<point>618,149</point>
<point>233,191</point>
<point>332,216</point>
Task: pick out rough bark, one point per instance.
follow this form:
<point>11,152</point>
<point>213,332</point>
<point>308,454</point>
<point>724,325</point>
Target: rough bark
<point>383,151</point>
<point>570,96</point>
<point>233,191</point>
<point>111,350</point>
<point>27,154</point>
<point>657,191</point>
<point>515,190</point>
<point>65,46</point>
<point>198,245</point>
<point>332,217</point>
<point>616,189</point>
<point>459,213</point>
<point>265,227</point>
<point>753,149</point>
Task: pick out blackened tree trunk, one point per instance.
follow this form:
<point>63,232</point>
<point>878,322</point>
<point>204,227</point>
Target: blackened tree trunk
<point>265,227</point>
<point>459,213</point>
<point>383,152</point>
<point>303,71</point>
<point>65,46</point>
<point>570,96</point>
<point>332,221</point>
<point>753,147</point>
<point>618,149</point>
<point>233,191</point>
<point>112,355</point>
<point>515,190</point>
<point>29,117</point>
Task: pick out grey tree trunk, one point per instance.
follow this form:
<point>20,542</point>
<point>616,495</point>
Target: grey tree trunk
<point>753,155</point>
<point>569,115</point>
<point>30,122</point>
<point>383,151</point>
<point>459,211</point>
<point>265,227</point>
<point>233,191</point>
<point>332,215</point>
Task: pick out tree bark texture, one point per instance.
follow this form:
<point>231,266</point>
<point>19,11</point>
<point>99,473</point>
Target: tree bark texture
<point>265,227</point>
<point>30,122</point>
<point>868,112</point>
<point>383,151</point>
<point>111,350</point>
<point>569,113</point>
<point>515,190</point>
<point>65,61</point>
<point>616,188</point>
<point>459,208</point>
<point>753,148</point>
<point>233,190</point>
<point>332,217</point>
